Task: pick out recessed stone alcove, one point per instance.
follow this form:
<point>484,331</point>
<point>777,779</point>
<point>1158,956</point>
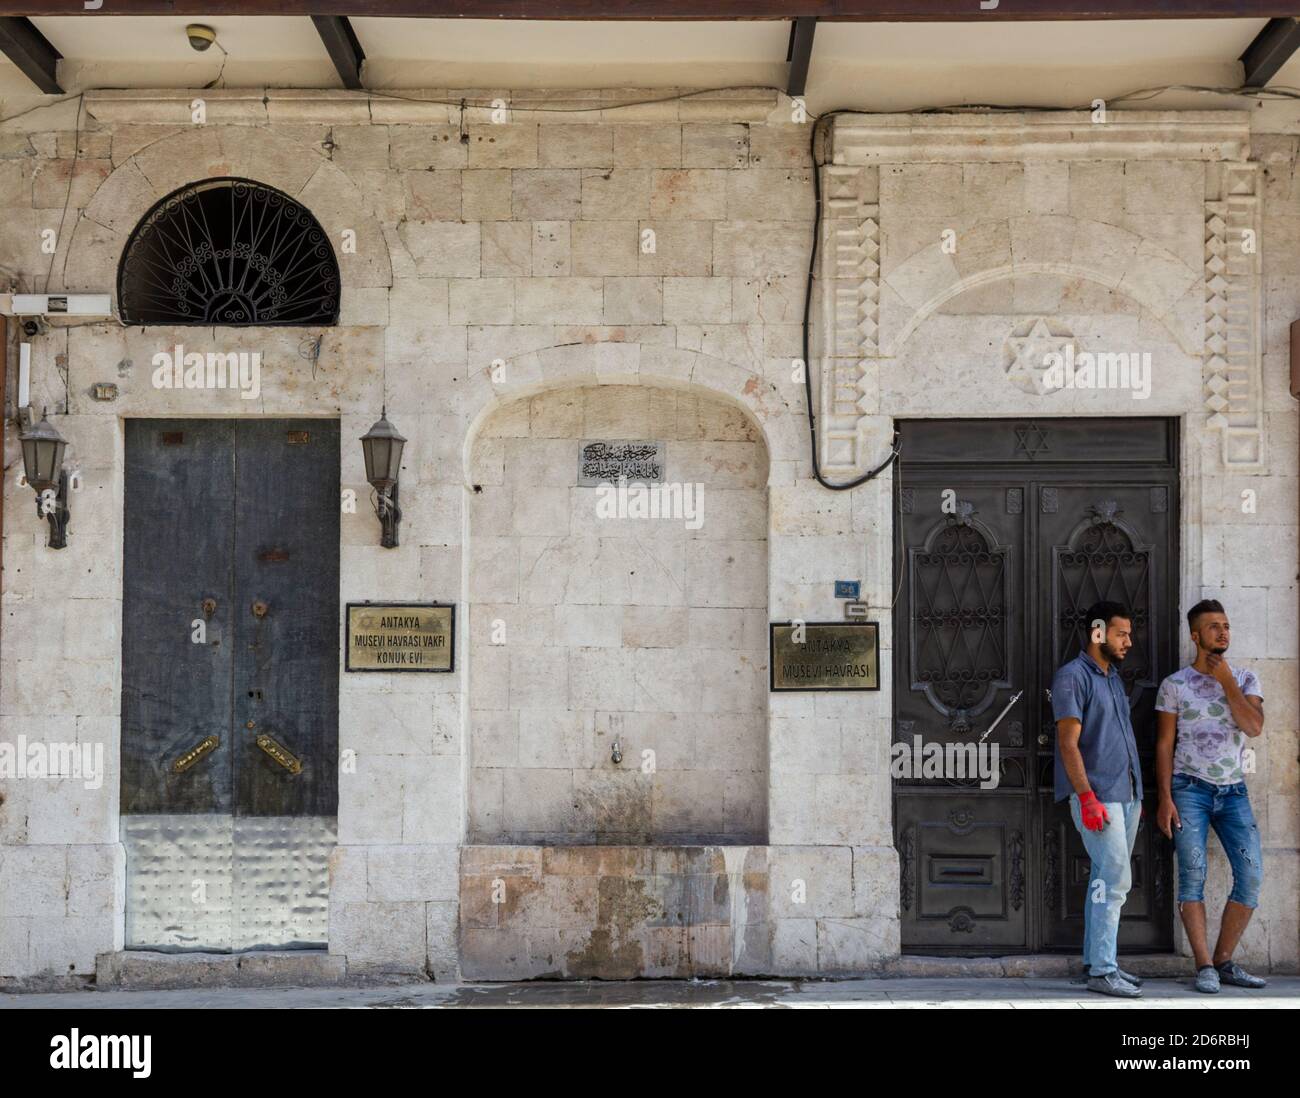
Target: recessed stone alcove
<point>586,629</point>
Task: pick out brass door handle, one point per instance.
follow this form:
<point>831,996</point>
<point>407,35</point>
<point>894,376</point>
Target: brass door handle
<point>194,754</point>
<point>259,609</point>
<point>280,753</point>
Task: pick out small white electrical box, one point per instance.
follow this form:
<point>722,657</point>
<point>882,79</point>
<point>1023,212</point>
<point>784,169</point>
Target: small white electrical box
<point>61,305</point>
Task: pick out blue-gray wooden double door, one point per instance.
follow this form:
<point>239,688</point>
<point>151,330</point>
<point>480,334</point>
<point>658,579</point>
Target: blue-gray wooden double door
<point>230,631</point>
<point>1006,532</point>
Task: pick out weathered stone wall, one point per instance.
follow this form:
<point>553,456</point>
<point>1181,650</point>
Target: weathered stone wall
<point>621,912</point>
<point>590,628</point>
<point>524,246</point>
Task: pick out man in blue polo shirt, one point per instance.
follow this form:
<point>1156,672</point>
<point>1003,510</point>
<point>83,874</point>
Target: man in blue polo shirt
<point>1097,768</point>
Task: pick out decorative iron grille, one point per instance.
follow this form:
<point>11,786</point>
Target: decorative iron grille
<point>230,252</point>
<point>959,625</point>
<point>1105,559</point>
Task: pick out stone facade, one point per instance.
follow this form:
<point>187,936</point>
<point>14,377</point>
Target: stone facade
<point>503,271</point>
<point>950,267</point>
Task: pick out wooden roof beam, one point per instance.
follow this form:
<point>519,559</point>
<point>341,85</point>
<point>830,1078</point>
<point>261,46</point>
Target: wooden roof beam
<point>342,45</point>
<point>29,49</point>
<point>1271,49</point>
<point>800,53</point>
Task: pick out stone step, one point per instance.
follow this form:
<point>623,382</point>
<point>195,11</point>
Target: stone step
<point>1031,965</point>
<point>141,969</point>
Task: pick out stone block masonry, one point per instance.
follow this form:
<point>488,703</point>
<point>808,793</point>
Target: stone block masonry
<point>639,274</point>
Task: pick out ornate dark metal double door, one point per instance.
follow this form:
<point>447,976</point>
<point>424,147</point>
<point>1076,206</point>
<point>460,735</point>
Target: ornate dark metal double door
<point>1005,533</point>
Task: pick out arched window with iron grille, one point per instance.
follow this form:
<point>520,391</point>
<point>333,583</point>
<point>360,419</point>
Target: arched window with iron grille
<point>228,252</point>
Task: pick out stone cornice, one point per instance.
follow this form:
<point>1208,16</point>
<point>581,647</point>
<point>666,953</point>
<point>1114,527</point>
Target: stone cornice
<point>861,139</point>
<point>425,106</point>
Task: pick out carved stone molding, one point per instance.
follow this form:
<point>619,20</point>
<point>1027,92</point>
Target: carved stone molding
<point>858,332</point>
<point>850,273</point>
<point>1050,135</point>
<point>416,106</point>
<point>1232,367</point>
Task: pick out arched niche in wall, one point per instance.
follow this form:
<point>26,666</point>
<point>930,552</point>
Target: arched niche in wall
<point>228,251</point>
<point>618,644</point>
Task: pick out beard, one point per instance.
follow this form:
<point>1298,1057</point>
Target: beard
<point>1111,654</point>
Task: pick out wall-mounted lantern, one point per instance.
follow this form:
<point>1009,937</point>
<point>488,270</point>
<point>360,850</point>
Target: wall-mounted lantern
<point>383,450</point>
<point>43,449</point>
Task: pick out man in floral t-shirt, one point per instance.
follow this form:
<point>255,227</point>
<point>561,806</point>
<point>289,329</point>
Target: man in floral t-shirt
<point>1205,713</point>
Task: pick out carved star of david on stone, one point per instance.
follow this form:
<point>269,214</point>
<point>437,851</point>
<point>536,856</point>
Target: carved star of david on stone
<point>1029,351</point>
<point>1031,440</point>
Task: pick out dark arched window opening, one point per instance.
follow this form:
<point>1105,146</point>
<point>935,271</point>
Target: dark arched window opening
<point>232,252</point>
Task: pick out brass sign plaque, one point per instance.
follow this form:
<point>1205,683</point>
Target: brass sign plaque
<point>835,655</point>
<point>401,636</point>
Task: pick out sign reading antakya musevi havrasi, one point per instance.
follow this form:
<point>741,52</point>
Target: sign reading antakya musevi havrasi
<point>837,655</point>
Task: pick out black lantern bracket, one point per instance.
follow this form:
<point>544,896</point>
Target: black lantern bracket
<point>382,447</point>
<point>390,516</point>
<point>43,449</point>
<point>53,506</point>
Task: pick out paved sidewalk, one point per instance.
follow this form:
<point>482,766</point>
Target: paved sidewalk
<point>1283,991</point>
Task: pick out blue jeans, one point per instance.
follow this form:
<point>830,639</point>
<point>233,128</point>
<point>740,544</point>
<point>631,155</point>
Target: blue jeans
<point>1110,851</point>
<point>1202,805</point>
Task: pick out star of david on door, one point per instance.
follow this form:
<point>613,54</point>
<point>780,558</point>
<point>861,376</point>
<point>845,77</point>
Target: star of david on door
<point>1031,440</point>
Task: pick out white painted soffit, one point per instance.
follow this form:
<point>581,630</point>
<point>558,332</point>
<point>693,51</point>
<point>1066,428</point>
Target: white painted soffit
<point>875,65</point>
<point>1068,135</point>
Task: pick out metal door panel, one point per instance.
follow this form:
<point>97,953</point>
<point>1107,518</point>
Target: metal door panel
<point>180,493</point>
<point>1078,510</point>
<point>227,846</point>
<point>179,881</point>
<point>965,656</point>
<point>286,657</point>
<point>281,881</point>
<point>1110,541</point>
<point>962,858</point>
<point>960,658</point>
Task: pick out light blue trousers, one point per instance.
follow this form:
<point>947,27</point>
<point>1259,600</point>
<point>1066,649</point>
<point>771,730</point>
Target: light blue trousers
<point>1110,851</point>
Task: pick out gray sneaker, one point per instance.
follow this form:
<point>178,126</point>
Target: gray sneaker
<point>1207,980</point>
<point>1113,984</point>
<point>1126,976</point>
<point>1232,973</point>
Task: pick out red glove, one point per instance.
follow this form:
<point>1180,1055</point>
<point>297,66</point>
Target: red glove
<point>1094,813</point>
